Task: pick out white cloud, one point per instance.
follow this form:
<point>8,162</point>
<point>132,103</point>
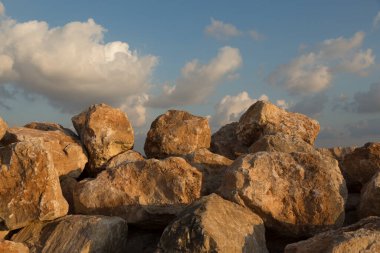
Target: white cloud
<point>198,81</point>
<point>312,72</point>
<point>221,30</point>
<point>135,108</point>
<point>255,35</point>
<point>282,103</point>
<point>376,20</point>
<point>71,65</point>
<point>2,9</point>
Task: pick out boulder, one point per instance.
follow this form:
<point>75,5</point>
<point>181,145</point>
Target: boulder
<point>12,247</point>
<point>370,198</point>
<point>362,164</point>
<point>125,157</point>
<point>105,132</point>
<point>264,118</point>
<point>148,193</point>
<point>3,128</point>
<point>296,194</point>
<point>68,155</point>
<point>224,142</point>
<point>213,224</point>
<point>76,234</point>
<point>30,187</point>
<point>337,152</point>
<point>177,133</point>
<point>212,166</point>
<point>363,236</point>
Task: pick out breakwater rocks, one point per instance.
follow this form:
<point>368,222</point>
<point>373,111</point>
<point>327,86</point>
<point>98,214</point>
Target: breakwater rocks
<point>256,185</point>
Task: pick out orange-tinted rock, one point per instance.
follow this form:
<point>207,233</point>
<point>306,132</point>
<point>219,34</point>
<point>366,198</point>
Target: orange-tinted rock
<point>125,157</point>
<point>3,128</point>
<point>12,247</point>
<point>177,133</point>
<point>370,198</point>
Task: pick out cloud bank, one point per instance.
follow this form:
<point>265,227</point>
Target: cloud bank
<point>221,30</point>
<point>368,101</point>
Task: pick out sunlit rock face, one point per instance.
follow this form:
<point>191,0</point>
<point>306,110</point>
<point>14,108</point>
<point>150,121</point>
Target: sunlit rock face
<point>13,247</point>
<point>296,194</point>
<point>177,133</point>
<point>105,132</point>
<point>213,224</point>
<point>30,188</point>
<point>3,128</point>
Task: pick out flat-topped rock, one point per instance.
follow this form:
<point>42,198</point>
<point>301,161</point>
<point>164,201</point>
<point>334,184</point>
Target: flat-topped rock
<point>177,133</point>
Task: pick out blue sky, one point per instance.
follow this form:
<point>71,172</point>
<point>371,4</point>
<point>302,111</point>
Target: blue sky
<point>212,58</point>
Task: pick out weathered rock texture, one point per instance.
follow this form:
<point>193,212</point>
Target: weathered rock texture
<point>363,163</point>
<point>213,224</point>
<point>363,236</point>
<point>264,118</point>
<point>76,234</point>
<point>30,187</point>
<point>296,194</point>
<point>68,185</point>
<point>3,128</point>
<point>105,132</point>
<point>125,157</point>
<point>177,133</point>
<point>212,166</point>
<point>68,155</point>
<point>143,192</point>
<point>370,197</point>
<point>337,152</point>
<point>12,247</point>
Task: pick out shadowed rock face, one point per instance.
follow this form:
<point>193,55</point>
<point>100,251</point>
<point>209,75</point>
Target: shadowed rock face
<point>105,132</point>
<point>296,194</point>
<point>177,133</point>
<point>13,247</point>
<point>30,187</point>
<point>3,128</point>
<point>76,233</point>
<point>363,236</point>
<point>148,193</point>
<point>370,198</point>
<point>213,224</point>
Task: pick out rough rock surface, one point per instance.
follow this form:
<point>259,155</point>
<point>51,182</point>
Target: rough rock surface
<point>177,133</point>
<point>145,192</point>
<point>337,152</point>
<point>363,163</point>
<point>212,166</point>
<point>105,132</point>
<point>363,236</point>
<point>370,197</point>
<point>68,185</point>
<point>264,118</point>
<point>281,143</point>
<point>12,247</point>
<point>125,157</point>
<point>224,142</point>
<point>68,155</point>
<point>213,224</point>
<point>76,234</point>
<point>3,128</point>
<point>30,187</point>
<point>296,194</point>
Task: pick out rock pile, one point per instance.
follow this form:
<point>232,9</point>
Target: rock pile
<point>256,185</point>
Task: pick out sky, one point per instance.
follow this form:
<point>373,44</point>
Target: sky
<point>211,58</point>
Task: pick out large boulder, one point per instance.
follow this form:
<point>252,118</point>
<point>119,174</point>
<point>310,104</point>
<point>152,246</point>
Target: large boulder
<point>362,164</point>
<point>12,247</point>
<point>105,132</point>
<point>363,236</point>
<point>213,224</point>
<point>76,234</point>
<point>148,193</point>
<point>69,157</point>
<point>3,128</point>
<point>296,194</point>
<point>177,133</point>
<point>212,166</point>
<point>370,198</point>
<point>30,187</point>
<point>264,118</point>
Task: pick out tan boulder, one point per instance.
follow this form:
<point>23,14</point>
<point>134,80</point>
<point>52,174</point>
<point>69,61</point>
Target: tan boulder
<point>213,224</point>
<point>105,132</point>
<point>337,152</point>
<point>264,118</point>
<point>68,155</point>
<point>362,164</point>
<point>125,157</point>
<point>148,192</point>
<point>12,247</point>
<point>30,187</point>
<point>363,236</point>
<point>296,194</point>
<point>370,198</point>
<point>76,233</point>
<point>212,166</point>
<point>177,133</point>
<point>224,142</point>
<point>3,128</point>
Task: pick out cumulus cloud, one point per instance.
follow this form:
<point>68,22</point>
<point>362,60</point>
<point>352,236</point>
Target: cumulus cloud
<point>71,65</point>
<point>311,105</point>
<point>368,101</point>
<point>376,20</point>
<point>221,30</point>
<point>313,71</point>
<point>198,81</point>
